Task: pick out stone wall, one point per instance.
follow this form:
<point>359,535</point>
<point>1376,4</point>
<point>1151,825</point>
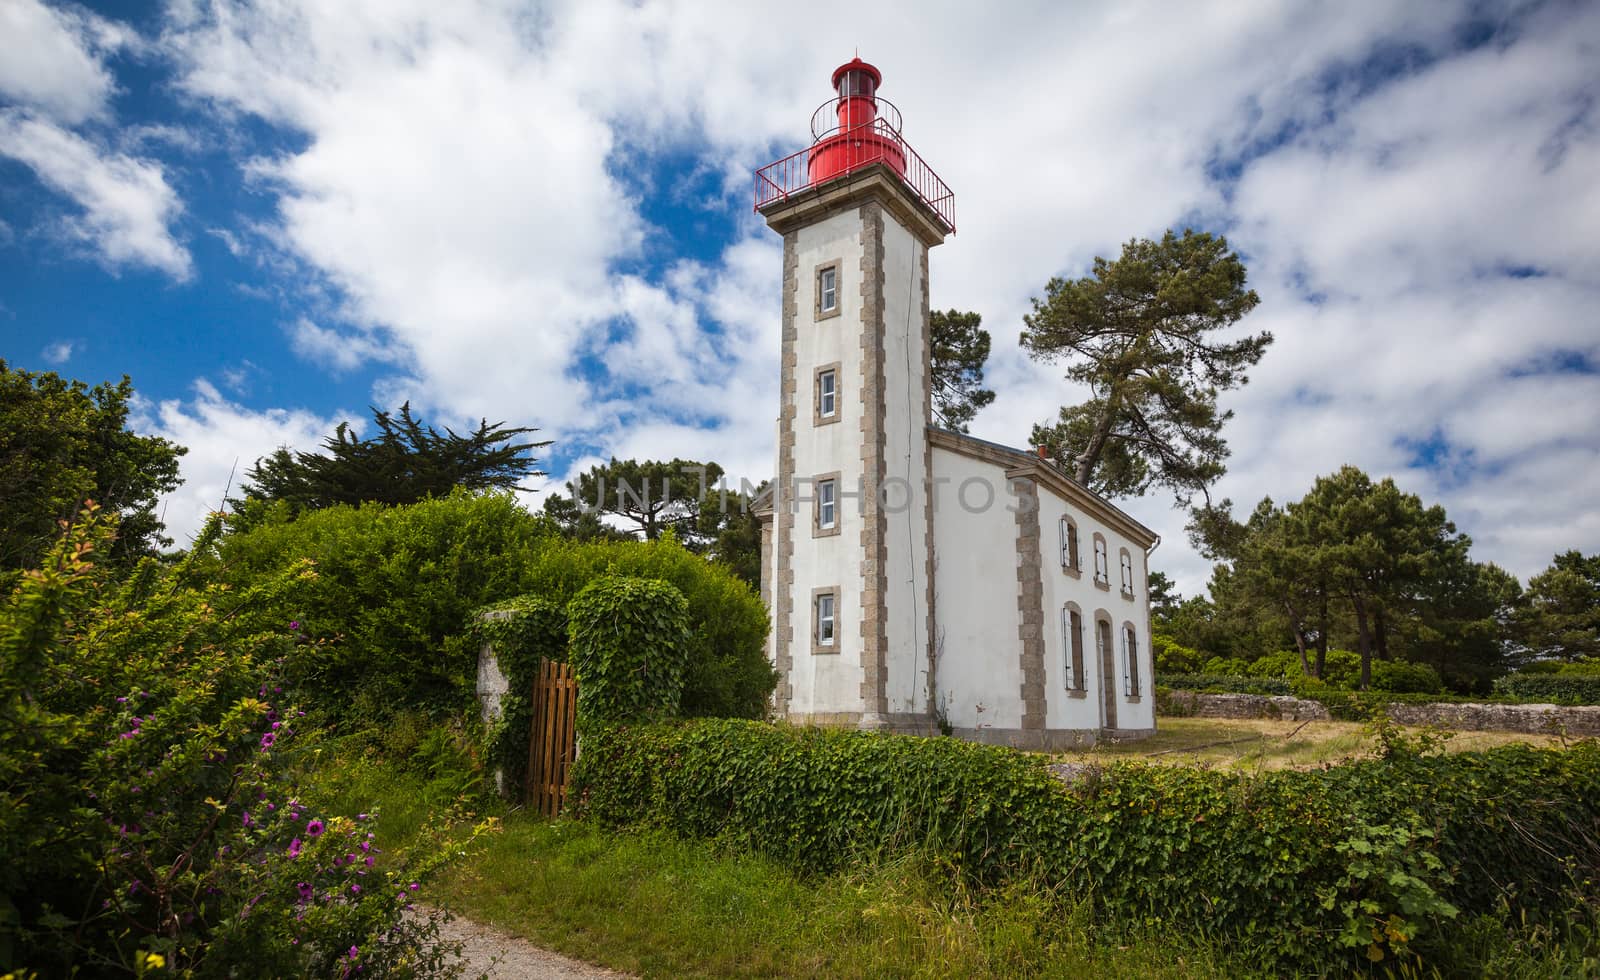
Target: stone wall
<point>1536,719</point>
<point>1197,705</point>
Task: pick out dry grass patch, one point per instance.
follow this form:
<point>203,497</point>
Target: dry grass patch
<point>1268,744</point>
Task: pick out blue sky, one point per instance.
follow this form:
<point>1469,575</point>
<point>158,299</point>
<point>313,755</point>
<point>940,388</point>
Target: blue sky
<point>274,215</point>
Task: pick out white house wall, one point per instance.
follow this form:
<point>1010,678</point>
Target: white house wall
<point>1059,588</point>
<point>975,584</point>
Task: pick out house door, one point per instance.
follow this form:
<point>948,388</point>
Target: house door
<point>1108,674</point>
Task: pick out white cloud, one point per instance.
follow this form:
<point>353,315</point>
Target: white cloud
<point>59,352</point>
<point>224,440</point>
<point>459,179</point>
<point>127,203</point>
<point>334,350</point>
<point>49,64</point>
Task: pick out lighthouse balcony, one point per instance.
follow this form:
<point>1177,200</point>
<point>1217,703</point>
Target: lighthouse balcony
<point>847,150</point>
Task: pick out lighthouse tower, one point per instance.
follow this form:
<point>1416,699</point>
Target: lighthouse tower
<point>848,550</point>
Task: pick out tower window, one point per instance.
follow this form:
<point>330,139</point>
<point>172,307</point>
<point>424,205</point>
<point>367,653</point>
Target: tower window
<point>825,629</point>
<point>828,290</point>
<point>827,393</point>
<point>825,504</point>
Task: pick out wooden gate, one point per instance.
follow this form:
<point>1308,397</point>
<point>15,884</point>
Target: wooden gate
<point>552,741</point>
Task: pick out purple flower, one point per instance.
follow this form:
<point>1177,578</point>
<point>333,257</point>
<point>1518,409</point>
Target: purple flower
<point>305,891</point>
<point>314,828</point>
<point>355,951</point>
<point>370,860</point>
<point>122,700</point>
<point>355,889</point>
<point>294,848</point>
<point>247,818</point>
<point>414,886</point>
<point>294,624</point>
<point>267,740</point>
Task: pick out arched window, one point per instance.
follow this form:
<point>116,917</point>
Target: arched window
<point>1072,646</point>
<point>1130,660</point>
<point>1102,570</point>
<point>1069,545</point>
<point>1127,573</point>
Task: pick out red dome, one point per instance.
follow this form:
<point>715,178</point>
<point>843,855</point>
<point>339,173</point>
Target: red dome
<point>856,64</point>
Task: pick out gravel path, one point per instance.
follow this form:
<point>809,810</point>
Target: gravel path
<point>502,956</point>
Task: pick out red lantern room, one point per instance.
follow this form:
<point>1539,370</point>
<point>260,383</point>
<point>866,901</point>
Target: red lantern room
<point>851,132</point>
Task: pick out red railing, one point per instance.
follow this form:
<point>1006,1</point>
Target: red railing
<point>874,142</point>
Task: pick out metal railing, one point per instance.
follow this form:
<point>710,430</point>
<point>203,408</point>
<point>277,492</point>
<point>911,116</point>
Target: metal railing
<point>791,175</point>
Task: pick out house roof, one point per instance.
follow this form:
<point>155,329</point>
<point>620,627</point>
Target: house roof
<point>1019,463</point>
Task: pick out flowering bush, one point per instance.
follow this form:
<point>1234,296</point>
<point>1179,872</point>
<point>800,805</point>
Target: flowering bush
<point>149,819</point>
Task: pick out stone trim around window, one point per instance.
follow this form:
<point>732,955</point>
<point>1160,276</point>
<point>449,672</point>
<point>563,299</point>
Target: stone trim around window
<point>837,265</point>
<point>1101,550</point>
<point>1072,641</point>
<point>818,648</point>
<point>817,530</point>
<point>1071,557</point>
<point>817,418</point>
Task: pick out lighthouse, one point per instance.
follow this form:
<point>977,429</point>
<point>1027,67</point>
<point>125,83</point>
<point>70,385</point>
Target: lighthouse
<point>909,571</point>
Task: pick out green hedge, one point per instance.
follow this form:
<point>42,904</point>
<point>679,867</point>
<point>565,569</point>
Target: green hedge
<point>1551,688</point>
<point>1296,866</point>
<point>629,639</point>
<point>1225,683</point>
<point>727,674</point>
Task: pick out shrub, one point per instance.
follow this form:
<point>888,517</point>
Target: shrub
<point>1227,666</point>
<point>147,801</point>
<point>1403,677</point>
<point>1373,858</point>
<point>1224,683</point>
<point>1553,688</point>
<point>1174,658</point>
<point>629,639</point>
<point>397,586</point>
<point>1284,664</point>
<point>727,673</point>
<point>523,632</point>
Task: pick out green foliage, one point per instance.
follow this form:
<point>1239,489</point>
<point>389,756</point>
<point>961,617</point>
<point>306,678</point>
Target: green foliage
<point>960,348</point>
<point>1237,683</point>
<point>727,674</point>
<point>405,462</point>
<point>629,639</point>
<point>1289,865</point>
<point>1551,688</point>
<point>1174,658</point>
<point>1561,616</point>
<point>523,632</point>
<point>1400,677</point>
<point>397,587</point>
<point>148,808</point>
<point>1138,333</point>
<point>61,443</point>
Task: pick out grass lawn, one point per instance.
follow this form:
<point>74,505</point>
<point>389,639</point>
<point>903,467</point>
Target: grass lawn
<point>1268,744</point>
